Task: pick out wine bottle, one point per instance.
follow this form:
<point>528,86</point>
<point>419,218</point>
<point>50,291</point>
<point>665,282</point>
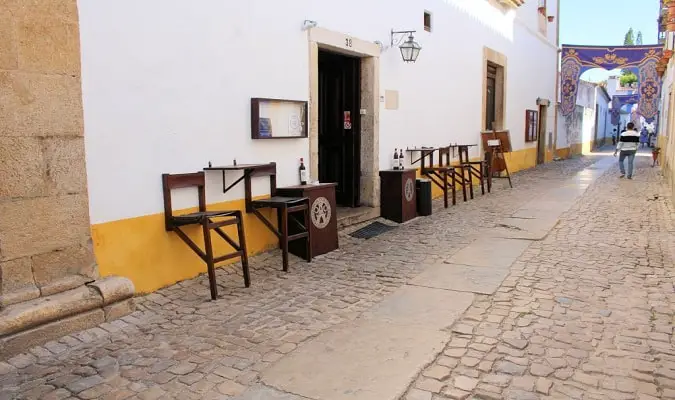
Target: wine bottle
<point>303,172</point>
<point>401,160</point>
<point>395,161</point>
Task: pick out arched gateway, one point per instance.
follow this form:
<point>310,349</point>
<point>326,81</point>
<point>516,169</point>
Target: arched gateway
<point>641,59</point>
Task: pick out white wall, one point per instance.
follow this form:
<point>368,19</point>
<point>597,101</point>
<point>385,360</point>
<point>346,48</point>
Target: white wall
<point>604,123</point>
<point>580,126</point>
<point>167,83</point>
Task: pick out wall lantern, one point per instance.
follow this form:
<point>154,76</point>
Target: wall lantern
<point>410,49</point>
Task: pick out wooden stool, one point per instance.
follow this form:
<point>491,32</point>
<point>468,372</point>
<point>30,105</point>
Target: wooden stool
<point>476,169</point>
<point>457,175</point>
<point>207,220</point>
<point>286,208</point>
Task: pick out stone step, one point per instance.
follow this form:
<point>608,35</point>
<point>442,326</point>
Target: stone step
<point>25,324</point>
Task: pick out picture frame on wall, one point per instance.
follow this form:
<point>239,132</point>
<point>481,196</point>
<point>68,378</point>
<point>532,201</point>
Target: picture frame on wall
<point>531,125</point>
<point>278,119</point>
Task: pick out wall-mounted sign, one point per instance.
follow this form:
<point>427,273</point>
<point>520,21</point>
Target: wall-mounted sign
<point>348,120</point>
<point>278,119</point>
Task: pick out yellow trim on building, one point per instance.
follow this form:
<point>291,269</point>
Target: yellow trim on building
<point>141,250</point>
<point>563,153</point>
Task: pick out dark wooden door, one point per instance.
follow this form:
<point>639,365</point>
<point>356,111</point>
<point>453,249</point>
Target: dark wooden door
<point>339,125</point>
<point>491,97</point>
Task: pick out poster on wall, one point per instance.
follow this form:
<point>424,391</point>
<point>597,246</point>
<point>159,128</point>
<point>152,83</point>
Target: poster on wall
<point>348,120</point>
<point>265,127</point>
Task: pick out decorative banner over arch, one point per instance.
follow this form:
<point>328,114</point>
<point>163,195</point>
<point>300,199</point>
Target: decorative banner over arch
<point>578,59</point>
<point>618,101</point>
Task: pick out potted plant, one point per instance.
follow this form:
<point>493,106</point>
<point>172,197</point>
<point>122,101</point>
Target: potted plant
<point>550,18</point>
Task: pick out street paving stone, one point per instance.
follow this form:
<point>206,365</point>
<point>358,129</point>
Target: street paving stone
<point>610,257</point>
<point>585,313</point>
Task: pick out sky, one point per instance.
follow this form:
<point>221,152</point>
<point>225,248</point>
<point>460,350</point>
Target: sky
<point>605,22</point>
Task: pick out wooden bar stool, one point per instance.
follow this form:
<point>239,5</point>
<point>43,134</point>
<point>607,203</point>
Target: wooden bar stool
<point>209,220</point>
<point>456,175</point>
<point>438,175</point>
<point>287,209</point>
<point>475,169</point>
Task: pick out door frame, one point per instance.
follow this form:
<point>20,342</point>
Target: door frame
<point>348,190</point>
<point>369,53</point>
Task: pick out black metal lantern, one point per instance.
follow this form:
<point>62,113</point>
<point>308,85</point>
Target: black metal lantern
<point>410,49</point>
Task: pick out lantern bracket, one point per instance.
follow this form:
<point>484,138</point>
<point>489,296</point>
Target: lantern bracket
<point>403,34</point>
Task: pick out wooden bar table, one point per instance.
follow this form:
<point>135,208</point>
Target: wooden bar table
<point>322,214</point>
<point>398,200</point>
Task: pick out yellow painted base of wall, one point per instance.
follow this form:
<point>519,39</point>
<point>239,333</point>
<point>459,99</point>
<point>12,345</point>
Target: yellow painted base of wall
<point>577,149</point>
<point>563,153</point>
<point>521,159</point>
<point>143,251</point>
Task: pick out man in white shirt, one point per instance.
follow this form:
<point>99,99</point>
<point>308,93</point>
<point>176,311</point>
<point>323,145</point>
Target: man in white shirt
<point>627,147</point>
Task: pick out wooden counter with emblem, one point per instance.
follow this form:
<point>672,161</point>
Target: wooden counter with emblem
<point>398,200</point>
<point>322,217</point>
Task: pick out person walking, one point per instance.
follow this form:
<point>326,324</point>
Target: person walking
<point>644,137</point>
<point>627,147</point>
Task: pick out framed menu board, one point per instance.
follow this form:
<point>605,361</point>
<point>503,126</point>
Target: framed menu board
<point>531,125</point>
<point>278,119</point>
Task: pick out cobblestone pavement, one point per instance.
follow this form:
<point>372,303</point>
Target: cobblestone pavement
<point>586,313</point>
<point>561,323</point>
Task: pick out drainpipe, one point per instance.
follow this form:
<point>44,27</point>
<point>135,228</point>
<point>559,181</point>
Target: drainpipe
<point>557,82</point>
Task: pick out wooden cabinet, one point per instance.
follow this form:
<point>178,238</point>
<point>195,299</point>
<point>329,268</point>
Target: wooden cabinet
<point>322,214</point>
<point>398,200</point>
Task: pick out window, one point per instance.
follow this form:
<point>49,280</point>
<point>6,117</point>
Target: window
<point>494,97</point>
<point>531,119</point>
<point>427,21</point>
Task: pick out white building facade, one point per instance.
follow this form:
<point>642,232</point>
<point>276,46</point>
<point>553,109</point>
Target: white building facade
<point>167,88</point>
<point>589,126</point>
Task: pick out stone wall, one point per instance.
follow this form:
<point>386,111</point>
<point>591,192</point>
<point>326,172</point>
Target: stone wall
<point>48,285</point>
<point>45,241</point>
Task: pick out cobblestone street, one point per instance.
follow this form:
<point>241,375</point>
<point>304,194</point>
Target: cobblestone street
<point>586,312</point>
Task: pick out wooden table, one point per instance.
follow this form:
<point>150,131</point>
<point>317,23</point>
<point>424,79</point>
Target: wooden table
<point>248,170</point>
<point>398,198</point>
<point>322,211</point>
<point>287,208</point>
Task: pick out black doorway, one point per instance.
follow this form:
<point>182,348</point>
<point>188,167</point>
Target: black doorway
<point>339,125</point>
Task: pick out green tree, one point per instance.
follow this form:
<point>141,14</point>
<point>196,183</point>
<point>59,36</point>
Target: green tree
<point>629,39</point>
<point>628,79</point>
<point>627,76</point>
<point>638,39</point>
